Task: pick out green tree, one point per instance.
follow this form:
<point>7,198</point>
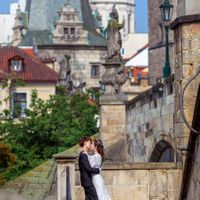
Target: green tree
<point>49,127</point>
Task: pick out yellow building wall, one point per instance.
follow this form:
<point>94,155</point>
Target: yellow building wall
<point>44,90</point>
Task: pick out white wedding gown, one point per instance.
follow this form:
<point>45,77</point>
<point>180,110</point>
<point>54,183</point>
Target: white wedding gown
<point>95,162</point>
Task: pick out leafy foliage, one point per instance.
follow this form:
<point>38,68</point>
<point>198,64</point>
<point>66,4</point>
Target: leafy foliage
<point>49,127</point>
<point>7,159</point>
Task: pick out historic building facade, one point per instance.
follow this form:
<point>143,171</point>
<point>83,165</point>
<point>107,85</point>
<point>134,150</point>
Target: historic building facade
<point>67,38</point>
<point>21,67</point>
<point>148,145</point>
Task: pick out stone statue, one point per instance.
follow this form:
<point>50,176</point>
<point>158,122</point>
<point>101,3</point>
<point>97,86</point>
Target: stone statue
<point>114,36</point>
<point>114,77</point>
<point>65,71</point>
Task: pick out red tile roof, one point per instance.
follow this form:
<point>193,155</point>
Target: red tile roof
<point>33,70</point>
<point>29,51</point>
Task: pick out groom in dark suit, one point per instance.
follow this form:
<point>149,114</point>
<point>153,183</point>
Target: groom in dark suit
<point>86,170</point>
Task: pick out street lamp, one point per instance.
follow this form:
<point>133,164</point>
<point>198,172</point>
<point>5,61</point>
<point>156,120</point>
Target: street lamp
<point>166,13</point>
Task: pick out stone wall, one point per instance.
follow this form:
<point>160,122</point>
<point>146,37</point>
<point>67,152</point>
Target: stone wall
<point>188,7</point>
<point>187,39</point>
<point>157,41</point>
<point>146,181</point>
<point>149,121</point>
<point>81,62</point>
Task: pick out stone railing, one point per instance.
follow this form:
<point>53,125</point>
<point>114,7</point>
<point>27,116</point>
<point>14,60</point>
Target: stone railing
<point>148,181</point>
<point>149,119</point>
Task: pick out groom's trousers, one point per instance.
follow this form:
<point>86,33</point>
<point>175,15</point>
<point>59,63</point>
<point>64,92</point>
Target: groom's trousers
<point>90,193</point>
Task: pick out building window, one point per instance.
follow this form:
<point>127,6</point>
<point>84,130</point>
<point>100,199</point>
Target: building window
<point>95,71</point>
<point>129,23</point>
<point>66,31</point>
<point>122,51</point>
<point>19,104</point>
<point>16,65</point>
<point>72,31</point>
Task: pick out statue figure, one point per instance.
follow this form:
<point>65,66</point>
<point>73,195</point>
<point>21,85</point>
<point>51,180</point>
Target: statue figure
<point>115,78</point>
<point>65,71</point>
<point>114,36</point>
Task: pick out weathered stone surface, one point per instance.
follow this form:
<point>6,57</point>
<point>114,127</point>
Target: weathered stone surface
<point>146,124</point>
<point>112,123</point>
<point>140,181</point>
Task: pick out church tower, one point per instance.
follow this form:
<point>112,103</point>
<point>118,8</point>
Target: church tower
<point>126,11</point>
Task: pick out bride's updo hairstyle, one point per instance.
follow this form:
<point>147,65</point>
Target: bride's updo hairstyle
<point>100,148</point>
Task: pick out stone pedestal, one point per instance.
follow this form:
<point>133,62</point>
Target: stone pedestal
<point>113,121</point>
<point>114,77</point>
<point>65,176</point>
<point>113,111</point>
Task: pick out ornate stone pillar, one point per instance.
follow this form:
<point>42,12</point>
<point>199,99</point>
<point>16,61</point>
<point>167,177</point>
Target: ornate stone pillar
<point>65,176</point>
<point>113,110</point>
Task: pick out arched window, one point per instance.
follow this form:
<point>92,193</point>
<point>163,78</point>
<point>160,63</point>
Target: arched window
<point>163,152</point>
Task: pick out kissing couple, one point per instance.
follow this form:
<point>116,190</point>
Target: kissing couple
<point>90,168</point>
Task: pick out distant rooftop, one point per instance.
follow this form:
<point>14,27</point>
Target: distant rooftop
<point>33,70</point>
<point>43,15</point>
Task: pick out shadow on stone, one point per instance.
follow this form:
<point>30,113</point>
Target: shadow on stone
<point>116,152</point>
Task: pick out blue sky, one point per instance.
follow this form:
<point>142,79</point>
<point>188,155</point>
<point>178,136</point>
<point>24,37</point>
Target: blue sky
<point>140,13</point>
<point>4,5</point>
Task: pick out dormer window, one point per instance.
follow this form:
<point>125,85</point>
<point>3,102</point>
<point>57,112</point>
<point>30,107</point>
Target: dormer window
<point>69,33</point>
<point>16,64</point>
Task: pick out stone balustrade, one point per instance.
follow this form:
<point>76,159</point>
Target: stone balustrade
<point>146,181</point>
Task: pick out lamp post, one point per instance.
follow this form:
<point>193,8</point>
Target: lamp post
<point>166,13</point>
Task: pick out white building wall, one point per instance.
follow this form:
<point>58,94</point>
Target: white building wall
<point>7,22</point>
<point>133,43</point>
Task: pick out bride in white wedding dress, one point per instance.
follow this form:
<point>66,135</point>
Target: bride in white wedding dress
<point>96,162</point>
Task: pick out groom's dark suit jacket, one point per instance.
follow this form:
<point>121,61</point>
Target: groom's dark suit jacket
<point>86,170</point>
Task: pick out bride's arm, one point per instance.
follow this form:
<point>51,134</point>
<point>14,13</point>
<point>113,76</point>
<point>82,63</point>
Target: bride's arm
<point>95,161</point>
